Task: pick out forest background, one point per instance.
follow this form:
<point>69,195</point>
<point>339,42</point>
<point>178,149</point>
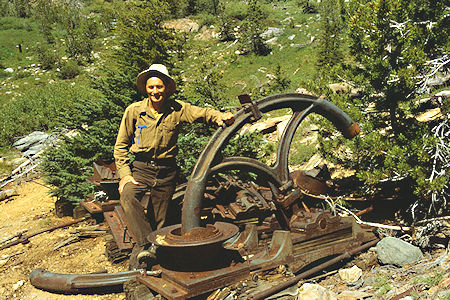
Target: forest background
<point>75,62</point>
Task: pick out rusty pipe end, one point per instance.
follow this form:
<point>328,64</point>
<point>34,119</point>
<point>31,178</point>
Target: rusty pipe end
<point>47,281</point>
<point>351,131</point>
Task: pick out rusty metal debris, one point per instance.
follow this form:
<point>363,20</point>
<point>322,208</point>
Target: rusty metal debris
<point>82,283</point>
<point>294,280</point>
<point>302,106</point>
<point>21,238</point>
<point>266,204</point>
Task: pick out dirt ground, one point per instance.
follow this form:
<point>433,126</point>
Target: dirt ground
<point>33,210</point>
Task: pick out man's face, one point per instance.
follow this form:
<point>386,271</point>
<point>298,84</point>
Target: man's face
<point>156,89</point>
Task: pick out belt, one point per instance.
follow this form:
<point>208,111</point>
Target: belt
<point>171,161</point>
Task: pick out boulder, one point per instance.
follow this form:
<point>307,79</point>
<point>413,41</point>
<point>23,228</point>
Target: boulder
<point>394,251</point>
<point>272,41</point>
<point>353,295</point>
<point>288,20</point>
<point>344,87</point>
<point>351,275</point>
<point>33,150</point>
<point>271,32</point>
<point>183,25</point>
<point>310,291</point>
<point>33,138</point>
<point>206,34</point>
<point>35,142</point>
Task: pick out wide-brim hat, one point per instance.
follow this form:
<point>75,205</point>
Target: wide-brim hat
<point>159,71</point>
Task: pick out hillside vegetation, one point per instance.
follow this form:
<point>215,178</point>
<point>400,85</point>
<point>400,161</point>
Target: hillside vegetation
<point>71,66</point>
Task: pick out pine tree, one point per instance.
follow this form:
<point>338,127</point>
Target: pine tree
<point>143,41</point>
<point>394,43</point>
<point>331,33</point>
<point>251,30</point>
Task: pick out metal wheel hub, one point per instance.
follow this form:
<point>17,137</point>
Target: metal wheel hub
<point>171,236</point>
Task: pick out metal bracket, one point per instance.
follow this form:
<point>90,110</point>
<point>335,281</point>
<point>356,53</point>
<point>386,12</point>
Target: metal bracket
<point>249,105</point>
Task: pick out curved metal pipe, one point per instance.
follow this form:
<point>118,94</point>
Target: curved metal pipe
<point>80,283</point>
<point>230,163</point>
<point>209,157</point>
<point>281,165</point>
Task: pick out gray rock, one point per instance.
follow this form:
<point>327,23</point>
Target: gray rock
<point>272,41</point>
<point>288,19</point>
<point>315,291</point>
<point>33,150</point>
<point>31,139</point>
<point>394,251</point>
<point>271,32</point>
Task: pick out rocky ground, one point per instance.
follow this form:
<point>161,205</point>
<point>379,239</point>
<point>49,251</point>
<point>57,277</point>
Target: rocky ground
<point>33,209</point>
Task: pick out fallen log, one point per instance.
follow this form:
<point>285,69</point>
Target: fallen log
<point>23,239</point>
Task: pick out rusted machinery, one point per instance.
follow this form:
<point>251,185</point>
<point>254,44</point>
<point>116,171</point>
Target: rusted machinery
<point>241,216</point>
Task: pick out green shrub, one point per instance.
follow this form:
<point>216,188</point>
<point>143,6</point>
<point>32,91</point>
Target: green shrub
<point>67,172</point>
<point>69,69</point>
<point>301,152</point>
<point>67,165</point>
<point>331,33</point>
<point>79,45</point>
<point>19,8</point>
<point>226,28</point>
<point>307,6</point>
<point>47,56</point>
<point>248,145</point>
<point>431,279</point>
<point>206,19</point>
<point>5,166</point>
<point>3,74</point>
<point>12,23</point>
<point>42,108</point>
<point>250,39</point>
<point>235,10</point>
<point>382,283</point>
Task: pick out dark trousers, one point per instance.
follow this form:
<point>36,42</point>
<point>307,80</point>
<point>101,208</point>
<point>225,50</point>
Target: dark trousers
<point>160,181</point>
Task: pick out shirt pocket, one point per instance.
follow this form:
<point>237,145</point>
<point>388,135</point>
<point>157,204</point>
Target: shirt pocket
<point>169,132</point>
<point>142,135</point>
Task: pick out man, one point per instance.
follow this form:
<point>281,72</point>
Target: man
<point>149,131</point>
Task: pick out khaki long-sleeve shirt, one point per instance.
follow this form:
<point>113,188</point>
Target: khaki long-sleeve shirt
<point>141,132</point>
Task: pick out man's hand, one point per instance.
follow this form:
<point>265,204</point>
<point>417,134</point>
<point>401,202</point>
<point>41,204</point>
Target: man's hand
<point>227,118</point>
<point>125,180</point>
